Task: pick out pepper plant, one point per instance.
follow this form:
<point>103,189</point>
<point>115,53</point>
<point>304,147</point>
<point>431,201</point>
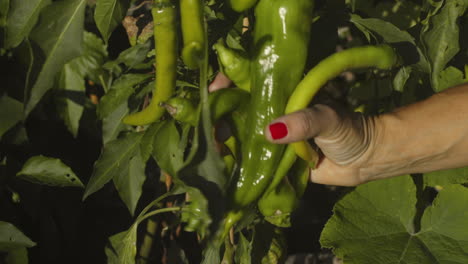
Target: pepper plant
<point>109,136</point>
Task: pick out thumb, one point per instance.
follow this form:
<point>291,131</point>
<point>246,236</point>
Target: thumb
<point>317,121</point>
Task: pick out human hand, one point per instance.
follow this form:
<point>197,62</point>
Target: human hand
<point>345,139</point>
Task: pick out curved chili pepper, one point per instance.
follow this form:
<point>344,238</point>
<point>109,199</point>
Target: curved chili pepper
<point>242,5</point>
<point>182,109</point>
<point>165,38</point>
<point>193,33</point>
<point>381,57</point>
<point>221,102</point>
<point>281,38</point>
<point>234,65</point>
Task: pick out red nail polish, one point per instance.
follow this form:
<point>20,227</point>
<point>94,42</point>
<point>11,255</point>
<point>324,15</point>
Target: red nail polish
<point>278,130</point>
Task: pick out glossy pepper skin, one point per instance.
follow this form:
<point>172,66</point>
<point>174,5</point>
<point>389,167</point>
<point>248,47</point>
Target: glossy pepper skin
<point>241,5</point>
<point>381,56</point>
<point>193,32</point>
<point>281,37</point>
<point>221,102</point>
<point>234,65</point>
<point>165,38</point>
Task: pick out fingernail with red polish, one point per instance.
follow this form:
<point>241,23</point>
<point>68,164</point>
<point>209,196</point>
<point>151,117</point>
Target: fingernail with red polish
<point>278,130</point>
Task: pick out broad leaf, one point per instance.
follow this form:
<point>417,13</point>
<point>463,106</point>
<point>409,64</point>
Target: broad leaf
<point>197,218</point>
<point>22,17</point>
<point>123,246</point>
<point>90,63</point>
<point>12,113</point>
<point>176,254</point>
<point>243,250</point>
<point>4,9</point>
<point>109,14</point>
<point>72,97</point>
<point>443,235</point>
<point>17,256</point>
<point>204,168</point>
<point>449,77</point>
<point>115,156</point>
<point>446,177</point>
<point>146,147</point>
<point>166,148</point>
<point>441,41</point>
<point>49,171</point>
<point>391,34</point>
<point>379,216</point>
<point>131,57</point>
<point>121,89</point>
<point>129,180</point>
<point>112,125</point>
<point>11,238</point>
<point>59,35</point>
<point>401,78</point>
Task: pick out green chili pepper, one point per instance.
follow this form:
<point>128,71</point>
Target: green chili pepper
<point>165,38</point>
<point>191,15</point>
<point>278,204</point>
<point>182,109</point>
<point>241,5</point>
<point>299,177</point>
<point>221,102</point>
<point>234,65</point>
<point>281,38</point>
<point>280,198</point>
<point>382,57</point>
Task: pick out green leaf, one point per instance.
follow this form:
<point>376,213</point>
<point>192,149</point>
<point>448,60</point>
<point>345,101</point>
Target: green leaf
<point>446,177</point>
<point>121,89</point>
<point>22,17</point>
<point>12,238</point>
<point>49,171</point>
<point>112,125</point>
<point>59,36</point>
<point>72,80</point>
<point>131,57</point>
<point>115,156</point>
<point>17,256</point>
<point>109,14</point>
<point>401,78</point>
<point>391,34</point>
<point>146,147</point>
<point>444,232</point>
<point>12,113</point>
<point>204,168</point>
<point>176,254</point>
<point>166,148</point>
<point>70,103</point>
<point>4,10</point>
<point>266,238</point>
<point>379,217</point>
<point>94,55</point>
<point>129,180</point>
<point>243,250</point>
<point>123,246</point>
<point>449,77</point>
<point>441,40</point>
<point>197,217</point>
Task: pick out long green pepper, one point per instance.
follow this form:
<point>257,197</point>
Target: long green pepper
<point>281,37</point>
<point>165,38</point>
<point>191,17</point>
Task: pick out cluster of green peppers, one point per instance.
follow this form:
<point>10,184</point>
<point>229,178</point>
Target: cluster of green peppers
<point>281,36</point>
<point>165,41</point>
<point>270,84</point>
